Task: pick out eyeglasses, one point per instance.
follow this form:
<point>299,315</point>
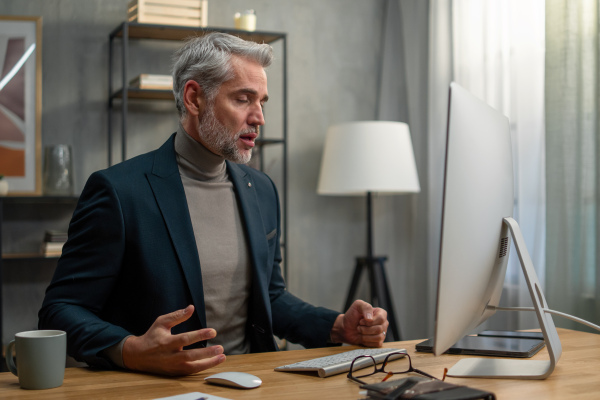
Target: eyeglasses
<point>368,363</point>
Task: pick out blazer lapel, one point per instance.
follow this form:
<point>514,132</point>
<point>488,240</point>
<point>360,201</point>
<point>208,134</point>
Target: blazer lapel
<point>260,327</point>
<point>170,197</point>
<point>257,241</point>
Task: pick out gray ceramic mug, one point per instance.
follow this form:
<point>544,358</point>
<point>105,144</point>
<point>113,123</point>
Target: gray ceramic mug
<point>41,358</point>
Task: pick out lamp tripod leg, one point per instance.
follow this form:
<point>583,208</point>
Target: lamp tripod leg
<point>384,297</point>
<point>380,293</point>
<point>358,268</point>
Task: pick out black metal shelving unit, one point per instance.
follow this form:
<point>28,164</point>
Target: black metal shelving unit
<point>127,31</point>
<point>5,258</point>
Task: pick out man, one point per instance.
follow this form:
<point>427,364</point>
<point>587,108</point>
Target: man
<point>173,256</point>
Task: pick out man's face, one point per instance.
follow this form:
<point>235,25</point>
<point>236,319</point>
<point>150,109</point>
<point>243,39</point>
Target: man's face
<point>230,123</point>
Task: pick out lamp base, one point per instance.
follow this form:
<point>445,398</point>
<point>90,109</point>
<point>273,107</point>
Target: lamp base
<point>380,293</point>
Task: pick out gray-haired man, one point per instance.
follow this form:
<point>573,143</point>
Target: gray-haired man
<point>173,257</point>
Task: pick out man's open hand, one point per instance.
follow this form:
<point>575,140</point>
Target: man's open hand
<point>158,351</point>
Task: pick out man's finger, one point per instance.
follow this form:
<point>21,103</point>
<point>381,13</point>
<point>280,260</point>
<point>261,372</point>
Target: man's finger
<point>176,317</point>
<point>189,362</point>
<point>371,330</point>
<point>187,338</point>
<point>201,364</point>
<point>373,341</point>
<point>364,308</point>
<point>379,317</point>
<point>193,355</point>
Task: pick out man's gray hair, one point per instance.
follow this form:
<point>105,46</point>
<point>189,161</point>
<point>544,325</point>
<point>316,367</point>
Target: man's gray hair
<point>206,60</point>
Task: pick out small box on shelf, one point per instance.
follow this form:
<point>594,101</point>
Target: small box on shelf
<point>169,12</point>
<point>52,249</point>
<point>152,82</point>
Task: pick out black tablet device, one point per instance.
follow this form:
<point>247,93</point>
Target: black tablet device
<point>513,334</point>
<point>490,346</point>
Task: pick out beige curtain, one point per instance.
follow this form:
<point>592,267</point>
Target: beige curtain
<point>401,222</point>
<point>572,167</point>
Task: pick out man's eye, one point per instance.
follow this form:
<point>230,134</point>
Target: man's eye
<point>243,100</point>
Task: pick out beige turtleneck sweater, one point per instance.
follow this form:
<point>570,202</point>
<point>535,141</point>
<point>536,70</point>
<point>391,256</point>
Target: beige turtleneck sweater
<point>219,234</point>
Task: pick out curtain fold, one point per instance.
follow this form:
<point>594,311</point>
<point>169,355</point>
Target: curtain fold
<point>572,149</point>
<point>496,51</point>
<point>400,221</point>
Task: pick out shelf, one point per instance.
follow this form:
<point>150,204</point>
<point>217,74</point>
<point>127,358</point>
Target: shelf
<point>168,32</point>
<point>28,256</point>
<point>39,199</point>
<point>151,94</point>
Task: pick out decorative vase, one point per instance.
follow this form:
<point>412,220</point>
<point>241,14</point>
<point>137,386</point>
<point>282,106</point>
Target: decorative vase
<point>3,187</point>
<point>58,170</point>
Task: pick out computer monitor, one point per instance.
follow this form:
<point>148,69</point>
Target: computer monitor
<point>477,227</point>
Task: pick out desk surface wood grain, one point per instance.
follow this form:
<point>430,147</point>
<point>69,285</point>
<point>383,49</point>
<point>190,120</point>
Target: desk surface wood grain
<point>576,376</point>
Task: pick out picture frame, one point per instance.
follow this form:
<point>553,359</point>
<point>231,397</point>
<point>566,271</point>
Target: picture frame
<point>21,104</point>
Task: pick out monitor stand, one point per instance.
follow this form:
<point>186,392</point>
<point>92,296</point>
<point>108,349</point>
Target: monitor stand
<point>518,369</point>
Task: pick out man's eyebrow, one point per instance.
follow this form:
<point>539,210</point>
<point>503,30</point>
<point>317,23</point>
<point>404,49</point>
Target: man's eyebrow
<point>254,93</point>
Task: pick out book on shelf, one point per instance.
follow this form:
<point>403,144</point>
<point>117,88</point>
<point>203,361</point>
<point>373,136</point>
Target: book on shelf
<point>169,12</point>
<point>50,249</point>
<point>152,81</point>
<point>53,242</point>
<point>55,236</point>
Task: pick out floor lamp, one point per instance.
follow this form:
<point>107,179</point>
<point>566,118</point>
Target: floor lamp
<point>362,158</point>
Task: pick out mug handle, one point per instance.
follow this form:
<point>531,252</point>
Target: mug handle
<point>10,362</point>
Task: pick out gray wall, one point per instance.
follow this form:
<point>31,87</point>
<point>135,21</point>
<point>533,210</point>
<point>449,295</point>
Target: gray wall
<point>333,65</point>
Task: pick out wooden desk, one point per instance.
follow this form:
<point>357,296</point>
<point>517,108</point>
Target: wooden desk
<point>576,376</point>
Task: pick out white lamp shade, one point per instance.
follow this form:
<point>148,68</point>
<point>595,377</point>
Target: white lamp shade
<point>368,156</point>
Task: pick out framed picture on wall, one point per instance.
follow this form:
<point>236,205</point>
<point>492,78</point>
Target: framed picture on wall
<point>21,103</point>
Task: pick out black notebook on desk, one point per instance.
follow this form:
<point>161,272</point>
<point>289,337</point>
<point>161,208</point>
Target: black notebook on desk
<point>490,346</point>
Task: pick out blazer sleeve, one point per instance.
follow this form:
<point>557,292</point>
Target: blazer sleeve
<point>86,274</point>
<point>302,323</point>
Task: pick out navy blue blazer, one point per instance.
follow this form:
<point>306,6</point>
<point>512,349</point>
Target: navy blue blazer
<point>131,256</point>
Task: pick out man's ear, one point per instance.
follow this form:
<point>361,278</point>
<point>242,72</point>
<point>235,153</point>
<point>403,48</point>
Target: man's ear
<point>193,98</point>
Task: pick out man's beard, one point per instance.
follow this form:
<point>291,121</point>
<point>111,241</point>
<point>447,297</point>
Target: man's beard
<point>221,140</point>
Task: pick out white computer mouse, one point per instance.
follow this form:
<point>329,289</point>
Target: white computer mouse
<point>239,380</point>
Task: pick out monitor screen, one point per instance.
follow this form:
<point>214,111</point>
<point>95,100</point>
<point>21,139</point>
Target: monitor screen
<point>478,194</point>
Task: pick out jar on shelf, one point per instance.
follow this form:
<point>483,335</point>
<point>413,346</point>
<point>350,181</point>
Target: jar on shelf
<point>245,21</point>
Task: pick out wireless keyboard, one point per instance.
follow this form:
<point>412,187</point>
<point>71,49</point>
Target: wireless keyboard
<point>339,363</point>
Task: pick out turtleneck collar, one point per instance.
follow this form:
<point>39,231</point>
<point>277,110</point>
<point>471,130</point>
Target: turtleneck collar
<point>197,162</point>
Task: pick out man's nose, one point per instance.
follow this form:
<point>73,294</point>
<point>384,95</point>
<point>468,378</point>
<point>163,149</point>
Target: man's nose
<point>256,116</point>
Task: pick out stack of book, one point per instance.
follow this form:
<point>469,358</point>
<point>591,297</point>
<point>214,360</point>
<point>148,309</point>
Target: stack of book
<point>169,12</point>
<point>152,81</point>
<point>53,243</point>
